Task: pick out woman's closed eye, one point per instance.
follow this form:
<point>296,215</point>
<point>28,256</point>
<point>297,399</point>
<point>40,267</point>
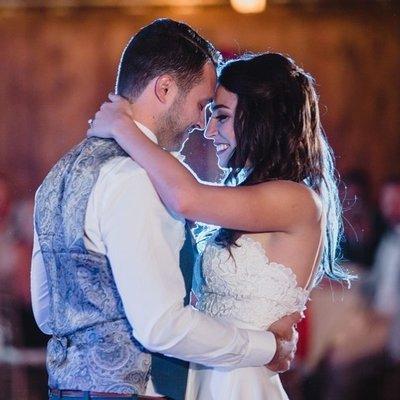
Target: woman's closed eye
<point>221,117</point>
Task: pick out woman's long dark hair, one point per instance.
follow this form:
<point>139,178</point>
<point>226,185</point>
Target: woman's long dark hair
<point>279,133</point>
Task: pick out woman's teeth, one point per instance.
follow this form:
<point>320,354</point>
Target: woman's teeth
<point>222,147</point>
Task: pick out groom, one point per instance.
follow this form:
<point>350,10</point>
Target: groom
<point>111,268</point>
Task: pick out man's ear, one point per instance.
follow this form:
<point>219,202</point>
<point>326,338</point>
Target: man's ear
<point>165,88</point>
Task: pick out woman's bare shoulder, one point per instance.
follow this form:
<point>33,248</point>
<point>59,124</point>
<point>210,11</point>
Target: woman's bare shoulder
<point>297,197</point>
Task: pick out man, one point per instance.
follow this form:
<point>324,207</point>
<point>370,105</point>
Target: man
<point>386,272</point>
<point>387,261</point>
<point>375,372</point>
<point>106,282</point>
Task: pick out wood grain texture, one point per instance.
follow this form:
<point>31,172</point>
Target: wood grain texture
<point>57,66</point>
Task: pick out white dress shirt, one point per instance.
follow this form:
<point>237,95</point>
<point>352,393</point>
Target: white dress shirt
<point>126,221</point>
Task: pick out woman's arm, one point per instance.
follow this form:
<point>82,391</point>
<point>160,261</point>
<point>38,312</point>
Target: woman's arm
<point>270,206</point>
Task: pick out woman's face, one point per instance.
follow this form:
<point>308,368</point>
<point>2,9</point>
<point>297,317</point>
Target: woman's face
<point>220,125</point>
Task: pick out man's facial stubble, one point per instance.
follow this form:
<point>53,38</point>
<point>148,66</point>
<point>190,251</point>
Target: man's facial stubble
<point>172,130</point>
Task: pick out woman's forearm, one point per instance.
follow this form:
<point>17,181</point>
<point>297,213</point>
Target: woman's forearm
<point>174,183</point>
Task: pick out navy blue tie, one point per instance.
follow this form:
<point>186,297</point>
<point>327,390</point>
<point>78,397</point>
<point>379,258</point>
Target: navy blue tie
<point>169,375</point>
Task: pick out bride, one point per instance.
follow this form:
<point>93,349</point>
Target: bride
<point>279,217</point>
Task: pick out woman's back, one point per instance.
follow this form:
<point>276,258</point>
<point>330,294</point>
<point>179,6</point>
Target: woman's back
<point>245,287</point>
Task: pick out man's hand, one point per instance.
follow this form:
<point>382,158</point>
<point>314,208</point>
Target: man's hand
<point>286,342</point>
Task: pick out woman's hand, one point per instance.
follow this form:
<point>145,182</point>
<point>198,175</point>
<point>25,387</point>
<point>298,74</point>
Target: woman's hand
<point>113,120</point>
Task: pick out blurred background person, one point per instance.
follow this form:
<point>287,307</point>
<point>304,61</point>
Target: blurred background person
<point>9,259</point>
<point>19,368</point>
<point>361,357</point>
<point>386,269</point>
<point>10,327</point>
<point>22,222</point>
<point>385,283</point>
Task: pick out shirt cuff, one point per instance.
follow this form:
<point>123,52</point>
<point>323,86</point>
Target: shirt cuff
<point>262,348</point>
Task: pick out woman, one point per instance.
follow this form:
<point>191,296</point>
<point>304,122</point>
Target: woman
<point>281,222</point>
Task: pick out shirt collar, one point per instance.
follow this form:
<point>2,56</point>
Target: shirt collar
<point>147,132</point>
<point>153,138</point>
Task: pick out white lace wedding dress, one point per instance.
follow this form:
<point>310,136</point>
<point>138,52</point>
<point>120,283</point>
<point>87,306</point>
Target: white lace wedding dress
<point>253,292</point>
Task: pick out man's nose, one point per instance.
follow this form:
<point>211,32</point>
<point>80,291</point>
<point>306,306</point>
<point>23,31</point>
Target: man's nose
<point>211,129</point>
<point>202,122</point>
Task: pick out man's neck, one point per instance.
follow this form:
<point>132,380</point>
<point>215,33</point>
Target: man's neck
<point>143,117</point>
<point>150,120</point>
<point>146,131</point>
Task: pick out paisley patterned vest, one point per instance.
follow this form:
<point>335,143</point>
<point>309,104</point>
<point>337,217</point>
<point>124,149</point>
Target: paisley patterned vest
<point>92,347</point>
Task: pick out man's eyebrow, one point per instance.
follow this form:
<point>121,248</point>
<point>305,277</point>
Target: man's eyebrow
<point>217,106</point>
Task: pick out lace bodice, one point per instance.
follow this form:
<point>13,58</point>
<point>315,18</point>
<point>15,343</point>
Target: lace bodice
<point>247,287</point>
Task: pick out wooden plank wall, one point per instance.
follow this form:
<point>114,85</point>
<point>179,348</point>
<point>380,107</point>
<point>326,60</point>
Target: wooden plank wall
<point>58,65</point>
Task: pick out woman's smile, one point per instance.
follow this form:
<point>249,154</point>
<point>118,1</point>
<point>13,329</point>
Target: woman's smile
<point>221,147</point>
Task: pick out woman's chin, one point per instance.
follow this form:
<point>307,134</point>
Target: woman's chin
<point>223,159</point>
<point>223,164</point>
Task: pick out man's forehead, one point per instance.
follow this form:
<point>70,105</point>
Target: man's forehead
<point>210,73</point>
<point>208,97</point>
<point>207,87</point>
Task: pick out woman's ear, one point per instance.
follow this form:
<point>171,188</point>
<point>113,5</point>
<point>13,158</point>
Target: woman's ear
<point>165,89</point>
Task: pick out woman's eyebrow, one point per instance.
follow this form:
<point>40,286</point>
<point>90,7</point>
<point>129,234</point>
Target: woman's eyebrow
<point>217,106</point>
